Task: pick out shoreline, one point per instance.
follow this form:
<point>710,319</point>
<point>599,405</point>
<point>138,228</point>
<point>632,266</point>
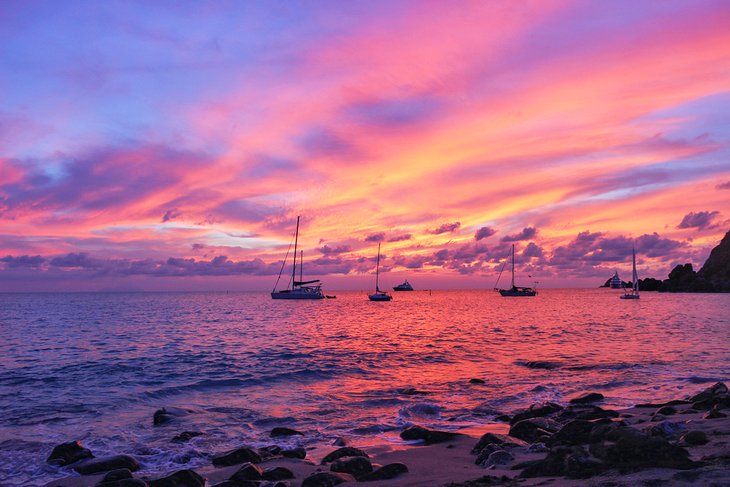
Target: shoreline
<point>680,441</point>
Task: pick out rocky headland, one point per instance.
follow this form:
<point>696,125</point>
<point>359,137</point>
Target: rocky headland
<point>683,441</point>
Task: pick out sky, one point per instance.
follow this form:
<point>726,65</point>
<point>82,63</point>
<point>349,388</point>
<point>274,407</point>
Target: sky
<point>171,145</point>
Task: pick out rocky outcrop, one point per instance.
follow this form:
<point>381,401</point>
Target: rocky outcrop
<point>181,478</point>
<point>428,436</point>
<point>234,457</point>
<point>105,464</point>
<point>68,453</point>
<point>716,271</point>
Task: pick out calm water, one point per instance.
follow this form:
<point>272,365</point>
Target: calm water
<point>95,367</point>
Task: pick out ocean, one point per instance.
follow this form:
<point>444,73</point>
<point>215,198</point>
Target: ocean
<point>96,366</point>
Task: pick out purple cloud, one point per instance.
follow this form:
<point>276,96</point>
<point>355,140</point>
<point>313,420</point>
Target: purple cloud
<point>699,220</point>
<point>725,185</point>
<point>400,238</point>
<point>484,232</point>
<point>171,215</point>
<point>33,261</point>
<point>339,249</point>
<point>526,234</point>
<point>375,237</point>
<point>533,250</point>
<point>445,228</point>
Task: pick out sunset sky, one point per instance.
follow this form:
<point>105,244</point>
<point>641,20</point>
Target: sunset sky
<point>171,145</point>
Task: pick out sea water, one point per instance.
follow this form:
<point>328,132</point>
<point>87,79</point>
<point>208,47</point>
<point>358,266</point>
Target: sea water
<point>95,367</point>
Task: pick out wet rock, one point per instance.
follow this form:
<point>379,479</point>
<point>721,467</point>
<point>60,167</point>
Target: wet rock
<point>186,436</point>
<point>327,479</point>
<point>340,441</point>
<point>712,391</point>
<point>270,451</point>
<point>667,410</point>
<point>504,418</point>
<point>68,453</point>
<point>586,412</point>
<point>503,441</point>
<point>118,474</point>
<point>346,451</point>
<point>553,465</point>
<point>124,483</point>
<point>666,429</point>
<point>537,448</point>
<point>542,364</point>
<point>412,391</point>
<point>299,453</point>
<point>499,457</point>
<point>248,471</point>
<point>587,398</point>
<point>355,466</point>
<point>714,414</point>
<point>278,473</point>
<point>484,453</point>
<point>694,437</point>
<point>579,466</point>
<point>104,464</point>
<point>281,431</point>
<point>575,432</point>
<point>634,450</point>
<point>477,381</point>
<point>181,478</point>
<point>167,414</point>
<point>386,472</point>
<point>428,436</point>
<point>530,430</point>
<point>536,411</point>
<point>234,457</point>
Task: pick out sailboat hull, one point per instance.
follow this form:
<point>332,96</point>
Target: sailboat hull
<point>517,292</point>
<point>629,296</point>
<point>380,297</point>
<point>297,294</point>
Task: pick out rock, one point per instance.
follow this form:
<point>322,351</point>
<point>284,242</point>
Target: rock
<point>234,457</point>
<point>270,451</point>
<point>504,418</point>
<point>340,441</point>
<point>428,436</point>
<point>118,474</point>
<point>68,453</point>
<point>694,437</point>
<point>167,414</point>
<point>714,414</point>
<point>553,465</point>
<point>477,381</point>
<point>281,431</point>
<point>635,450</point>
<point>716,270</point>
<point>579,466</point>
<point>532,429</point>
<point>248,471</point>
<point>186,436</point>
<point>587,398</point>
<point>537,448</point>
<point>181,478</point>
<point>667,429</point>
<point>278,473</point>
<point>542,364</point>
<point>104,464</point>
<point>124,483</point>
<point>327,479</point>
<point>586,412</point>
<point>667,410</point>
<point>712,391</point>
<point>503,441</point>
<point>484,453</point>
<point>575,432</point>
<point>412,391</point>
<point>346,451</point>
<point>355,466</point>
<point>386,472</point>
<point>299,452</point>
<point>499,457</point>
<point>536,411</point>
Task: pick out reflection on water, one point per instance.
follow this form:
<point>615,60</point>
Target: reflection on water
<point>96,366</point>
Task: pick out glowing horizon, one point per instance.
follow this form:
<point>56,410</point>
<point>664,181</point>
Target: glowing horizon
<point>172,146</point>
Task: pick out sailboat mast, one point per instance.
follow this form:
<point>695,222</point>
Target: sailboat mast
<point>294,268</point>
<point>513,265</point>
<point>301,265</point>
<point>635,276</point>
<point>377,271</point>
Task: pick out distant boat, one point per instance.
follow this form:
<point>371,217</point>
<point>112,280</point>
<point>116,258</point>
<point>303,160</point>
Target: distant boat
<point>615,282</point>
<point>379,295</point>
<point>633,291</point>
<point>299,289</point>
<point>514,290</point>
<point>406,286</point>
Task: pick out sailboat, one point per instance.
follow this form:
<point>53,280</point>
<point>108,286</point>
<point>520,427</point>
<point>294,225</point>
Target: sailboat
<point>379,295</point>
<point>633,291</point>
<point>299,289</point>
<point>514,290</point>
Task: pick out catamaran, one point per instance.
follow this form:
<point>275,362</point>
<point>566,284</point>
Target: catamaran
<point>299,289</point>
<point>514,290</point>
<point>379,295</point>
<point>633,291</point>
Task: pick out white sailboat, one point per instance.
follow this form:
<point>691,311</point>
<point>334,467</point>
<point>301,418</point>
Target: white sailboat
<point>514,290</point>
<point>299,289</point>
<point>633,291</point>
<point>379,295</point>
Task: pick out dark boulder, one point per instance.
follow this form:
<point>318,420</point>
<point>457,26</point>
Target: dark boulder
<point>234,457</point>
<point>281,431</point>
<point>717,389</point>
<point>124,483</point>
<point>715,414</point>
<point>118,474</point>
<point>68,453</point>
<point>355,466</point>
<point>186,436</point>
<point>167,414</point>
<point>504,441</point>
<point>299,453</point>
<point>248,471</point>
<point>412,391</point>
<point>587,398</point>
<point>635,450</point>
<point>484,453</point>
<point>346,451</point>
<point>586,412</point>
<point>477,381</point>
<point>575,432</point>
<point>386,472</point>
<point>536,411</point>
<point>716,270</point>
<point>278,473</point>
<point>181,478</point>
<point>694,437</point>
<point>580,466</point>
<point>327,479</point>
<point>428,436</point>
<point>498,457</point>
<point>530,430</point>
<point>553,465</point>
<point>104,464</point>
<point>667,410</point>
<point>269,452</point>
